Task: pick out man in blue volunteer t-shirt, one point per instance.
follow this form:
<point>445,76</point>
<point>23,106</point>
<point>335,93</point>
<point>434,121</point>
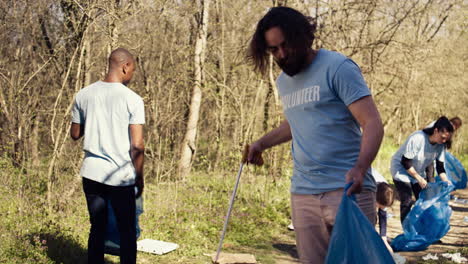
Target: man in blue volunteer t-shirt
<point>326,103</point>
<point>110,116</point>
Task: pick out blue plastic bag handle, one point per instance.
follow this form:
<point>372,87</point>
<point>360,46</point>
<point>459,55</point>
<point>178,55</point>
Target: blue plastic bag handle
<point>347,186</point>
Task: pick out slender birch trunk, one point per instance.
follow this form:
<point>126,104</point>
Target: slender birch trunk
<point>189,144</point>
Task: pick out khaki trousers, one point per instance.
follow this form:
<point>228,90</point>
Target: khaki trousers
<point>313,218</point>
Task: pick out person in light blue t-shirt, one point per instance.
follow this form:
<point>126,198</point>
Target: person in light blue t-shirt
<point>326,103</point>
<point>456,123</point>
<point>110,117</point>
<point>409,163</point>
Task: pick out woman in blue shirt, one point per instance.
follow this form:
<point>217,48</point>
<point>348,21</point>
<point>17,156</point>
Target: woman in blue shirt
<point>408,165</point>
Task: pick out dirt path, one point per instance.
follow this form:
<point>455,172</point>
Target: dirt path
<point>455,240</point>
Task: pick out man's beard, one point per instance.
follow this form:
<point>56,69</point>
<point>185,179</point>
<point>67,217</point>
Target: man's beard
<point>294,64</point>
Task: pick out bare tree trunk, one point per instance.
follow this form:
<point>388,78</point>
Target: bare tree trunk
<point>34,145</point>
<point>87,62</point>
<point>189,144</point>
<point>415,112</point>
<point>61,136</point>
<point>222,90</point>
<point>272,91</point>
<point>273,82</point>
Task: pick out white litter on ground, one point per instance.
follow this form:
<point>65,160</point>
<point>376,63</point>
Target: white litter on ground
<point>399,259</point>
<point>460,201</point>
<point>430,256</point>
<point>455,257</point>
<point>156,246</point>
<point>465,219</point>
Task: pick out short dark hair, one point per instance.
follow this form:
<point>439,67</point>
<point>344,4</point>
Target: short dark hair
<point>385,194</point>
<point>456,122</point>
<point>298,32</point>
<point>442,124</point>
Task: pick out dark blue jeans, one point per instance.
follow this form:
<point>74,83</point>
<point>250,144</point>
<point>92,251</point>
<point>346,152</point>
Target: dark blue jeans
<point>122,199</point>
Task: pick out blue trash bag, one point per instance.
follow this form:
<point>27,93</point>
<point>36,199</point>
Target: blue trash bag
<point>428,221</point>
<point>112,237</point>
<point>455,171</point>
<point>354,239</point>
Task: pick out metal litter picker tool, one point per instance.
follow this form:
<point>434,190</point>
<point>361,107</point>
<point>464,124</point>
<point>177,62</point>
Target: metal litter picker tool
<point>231,202</point>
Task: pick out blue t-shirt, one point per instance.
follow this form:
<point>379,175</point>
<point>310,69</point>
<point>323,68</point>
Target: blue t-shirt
<point>326,138</point>
<point>106,110</point>
<point>422,154</point>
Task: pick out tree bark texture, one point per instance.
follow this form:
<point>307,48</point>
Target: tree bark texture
<point>189,144</point>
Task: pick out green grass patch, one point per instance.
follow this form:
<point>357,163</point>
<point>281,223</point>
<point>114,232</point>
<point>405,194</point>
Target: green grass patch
<point>189,213</point>
<point>384,157</point>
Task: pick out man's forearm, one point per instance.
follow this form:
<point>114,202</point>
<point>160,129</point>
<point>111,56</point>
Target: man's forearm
<point>276,136</point>
<point>138,158</point>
